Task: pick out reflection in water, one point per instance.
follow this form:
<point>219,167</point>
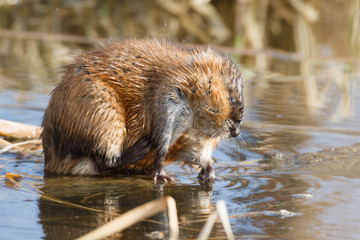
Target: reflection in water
<point>248,197</point>
<point>113,196</point>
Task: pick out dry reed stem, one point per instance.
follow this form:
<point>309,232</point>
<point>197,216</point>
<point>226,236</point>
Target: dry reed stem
<point>216,30</point>
<point>206,230</point>
<point>6,146</point>
<point>221,209</point>
<point>306,10</point>
<point>51,37</point>
<point>13,179</point>
<point>13,176</point>
<point>355,30</point>
<point>135,215</point>
<point>9,147</point>
<point>18,130</point>
<point>66,203</point>
<point>173,219</point>
<point>4,143</point>
<point>222,212</point>
<point>253,21</point>
<point>269,52</point>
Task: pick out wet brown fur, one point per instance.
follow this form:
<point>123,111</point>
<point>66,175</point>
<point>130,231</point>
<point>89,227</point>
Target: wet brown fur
<point>120,99</point>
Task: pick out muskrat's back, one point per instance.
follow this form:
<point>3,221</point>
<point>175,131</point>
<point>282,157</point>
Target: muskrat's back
<point>138,104</point>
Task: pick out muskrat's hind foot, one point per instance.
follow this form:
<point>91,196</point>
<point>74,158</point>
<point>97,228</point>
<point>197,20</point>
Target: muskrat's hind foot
<point>136,152</point>
<point>207,174</point>
<point>159,171</point>
<point>131,155</point>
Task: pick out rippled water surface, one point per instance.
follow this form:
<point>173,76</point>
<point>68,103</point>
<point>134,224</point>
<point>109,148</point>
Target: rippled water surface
<point>260,175</point>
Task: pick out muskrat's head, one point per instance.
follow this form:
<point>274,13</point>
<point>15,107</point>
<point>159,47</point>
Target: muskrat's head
<point>216,95</point>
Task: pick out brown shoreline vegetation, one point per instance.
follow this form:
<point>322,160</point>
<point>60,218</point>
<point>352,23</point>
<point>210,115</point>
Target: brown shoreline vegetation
<point>55,30</point>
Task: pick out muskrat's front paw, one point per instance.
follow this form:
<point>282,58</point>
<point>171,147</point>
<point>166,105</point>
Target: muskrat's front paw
<point>159,171</point>
<point>162,176</point>
<point>207,174</point>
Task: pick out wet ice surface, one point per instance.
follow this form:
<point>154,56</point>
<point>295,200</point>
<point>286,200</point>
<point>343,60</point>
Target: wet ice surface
<point>272,186</point>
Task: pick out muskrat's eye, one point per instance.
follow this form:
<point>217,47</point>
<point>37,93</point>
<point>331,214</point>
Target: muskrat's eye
<point>237,120</point>
<point>180,93</point>
<point>242,108</point>
<point>232,100</point>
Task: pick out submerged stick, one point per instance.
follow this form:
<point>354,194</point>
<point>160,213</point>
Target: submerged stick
<point>135,215</point>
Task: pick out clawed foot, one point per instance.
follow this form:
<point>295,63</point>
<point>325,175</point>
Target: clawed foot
<point>159,171</point>
<point>207,174</point>
<point>162,176</point>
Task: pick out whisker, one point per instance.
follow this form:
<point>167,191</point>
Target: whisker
<point>216,132</point>
<point>242,143</point>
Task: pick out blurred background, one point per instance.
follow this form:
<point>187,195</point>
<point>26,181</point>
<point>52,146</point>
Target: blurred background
<point>294,41</point>
<point>301,66</point>
<point>38,37</point>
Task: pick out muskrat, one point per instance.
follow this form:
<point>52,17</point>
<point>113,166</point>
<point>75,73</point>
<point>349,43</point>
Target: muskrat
<point>139,104</point>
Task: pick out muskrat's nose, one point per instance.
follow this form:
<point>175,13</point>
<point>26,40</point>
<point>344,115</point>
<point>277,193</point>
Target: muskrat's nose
<point>234,132</point>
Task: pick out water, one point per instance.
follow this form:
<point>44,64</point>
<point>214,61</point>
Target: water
<point>266,170</point>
